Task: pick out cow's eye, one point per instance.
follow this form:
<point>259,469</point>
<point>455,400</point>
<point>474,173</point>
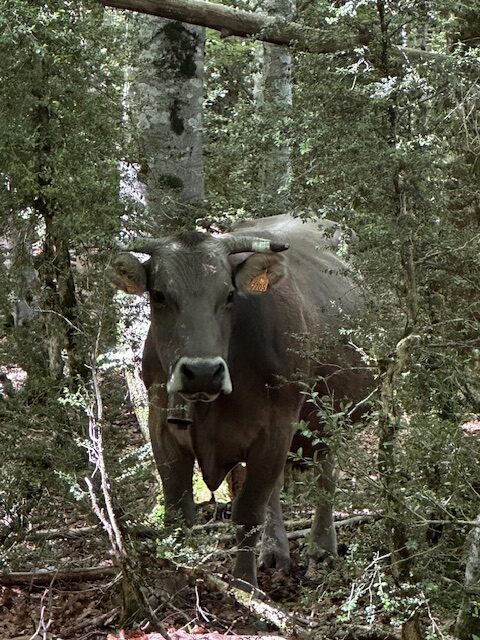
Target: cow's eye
<point>157,297</point>
<point>230,297</point>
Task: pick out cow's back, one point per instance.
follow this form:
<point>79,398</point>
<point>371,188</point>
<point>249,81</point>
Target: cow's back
<point>323,296</point>
<point>321,278</point>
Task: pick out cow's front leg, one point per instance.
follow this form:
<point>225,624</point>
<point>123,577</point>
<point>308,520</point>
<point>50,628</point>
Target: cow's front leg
<point>263,473</point>
<point>175,465</point>
<point>275,551</point>
<point>174,459</point>
<point>323,537</point>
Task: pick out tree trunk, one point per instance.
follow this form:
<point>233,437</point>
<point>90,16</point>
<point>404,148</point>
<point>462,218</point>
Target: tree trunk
<point>273,99</point>
<point>58,301</point>
<point>468,621</point>
<point>167,100</point>
<point>389,419</point>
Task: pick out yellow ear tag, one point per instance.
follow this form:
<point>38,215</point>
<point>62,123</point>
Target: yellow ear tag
<point>259,283</point>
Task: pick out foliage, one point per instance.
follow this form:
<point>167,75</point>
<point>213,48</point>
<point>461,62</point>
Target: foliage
<point>384,144</point>
<point>61,143</point>
<point>369,136</point>
<point>60,57</point>
<point>40,451</point>
<point>60,147</point>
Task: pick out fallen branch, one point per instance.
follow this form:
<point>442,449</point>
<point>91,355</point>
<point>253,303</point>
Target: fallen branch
<point>226,524</point>
<point>144,531</point>
<point>141,531</point>
<point>58,534</point>
<point>258,602</point>
<point>100,620</point>
<point>303,533</point>
<point>348,522</point>
<point>47,577</point>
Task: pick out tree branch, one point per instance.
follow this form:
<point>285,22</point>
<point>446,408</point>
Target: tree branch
<point>258,603</point>
<point>236,22</point>
<point>144,531</point>
<point>229,21</point>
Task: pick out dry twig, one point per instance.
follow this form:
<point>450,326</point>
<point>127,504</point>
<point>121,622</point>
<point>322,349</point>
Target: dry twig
<point>47,577</point>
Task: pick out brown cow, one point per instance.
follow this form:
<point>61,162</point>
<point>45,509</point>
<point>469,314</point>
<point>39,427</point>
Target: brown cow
<point>226,314</point>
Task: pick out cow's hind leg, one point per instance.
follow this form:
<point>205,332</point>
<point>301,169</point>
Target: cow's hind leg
<point>323,537</point>
<point>275,552</point>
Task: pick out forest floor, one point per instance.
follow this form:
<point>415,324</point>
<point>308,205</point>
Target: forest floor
<point>61,604</point>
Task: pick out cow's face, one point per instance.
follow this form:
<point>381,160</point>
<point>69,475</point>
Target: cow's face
<point>193,281</point>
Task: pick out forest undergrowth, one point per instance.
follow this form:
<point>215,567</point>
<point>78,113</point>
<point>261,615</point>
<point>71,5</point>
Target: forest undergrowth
<point>58,536</point>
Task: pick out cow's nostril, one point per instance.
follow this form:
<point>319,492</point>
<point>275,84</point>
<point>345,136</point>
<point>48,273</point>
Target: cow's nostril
<point>219,370</point>
<point>187,372</point>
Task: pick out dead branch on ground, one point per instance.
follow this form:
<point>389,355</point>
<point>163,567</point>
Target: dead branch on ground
<point>144,531</point>
<point>48,577</point>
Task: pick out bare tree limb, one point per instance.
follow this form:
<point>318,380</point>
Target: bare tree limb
<point>348,522</point>
<point>257,602</point>
<point>229,21</point>
<point>236,22</point>
<point>134,595</point>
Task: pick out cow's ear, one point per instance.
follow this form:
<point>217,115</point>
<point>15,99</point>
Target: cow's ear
<point>259,271</point>
<point>128,273</point>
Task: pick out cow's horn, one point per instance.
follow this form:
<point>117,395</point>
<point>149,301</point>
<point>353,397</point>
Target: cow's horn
<point>241,244</point>
<point>142,245</point>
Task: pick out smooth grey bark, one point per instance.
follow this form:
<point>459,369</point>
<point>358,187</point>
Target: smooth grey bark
<point>468,620</point>
<point>166,100</point>
<point>273,100</point>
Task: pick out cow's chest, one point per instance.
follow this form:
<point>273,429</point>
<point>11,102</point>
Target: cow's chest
<point>219,445</point>
<point>224,436</point>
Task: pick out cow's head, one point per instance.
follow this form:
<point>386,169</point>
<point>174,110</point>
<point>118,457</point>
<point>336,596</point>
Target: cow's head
<point>193,281</point>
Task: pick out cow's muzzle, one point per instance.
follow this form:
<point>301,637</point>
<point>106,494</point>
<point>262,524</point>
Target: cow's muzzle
<point>200,379</point>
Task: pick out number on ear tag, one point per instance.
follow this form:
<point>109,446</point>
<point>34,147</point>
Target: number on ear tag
<point>259,283</point>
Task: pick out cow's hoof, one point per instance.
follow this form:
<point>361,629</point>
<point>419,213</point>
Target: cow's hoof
<point>274,559</point>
